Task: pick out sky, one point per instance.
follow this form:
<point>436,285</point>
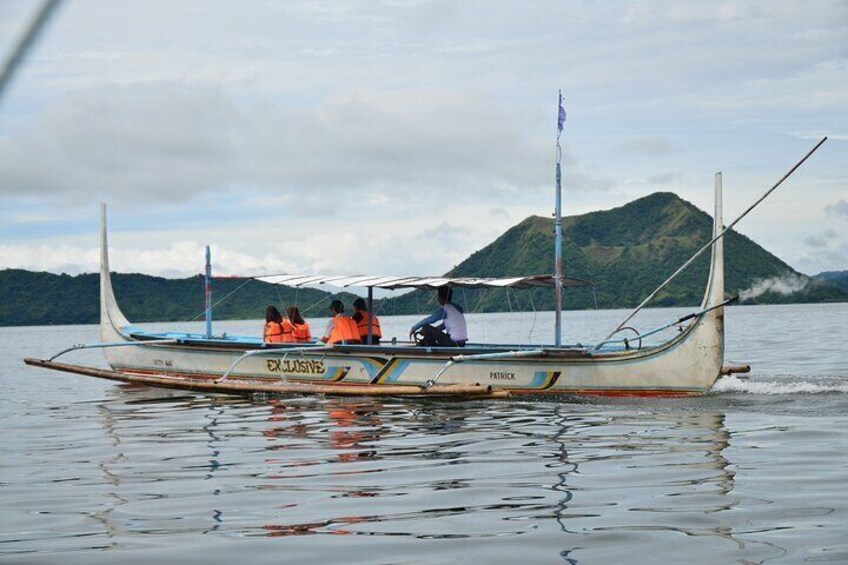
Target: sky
<point>398,137</point>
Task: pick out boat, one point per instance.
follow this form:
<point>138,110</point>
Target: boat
<point>688,363</point>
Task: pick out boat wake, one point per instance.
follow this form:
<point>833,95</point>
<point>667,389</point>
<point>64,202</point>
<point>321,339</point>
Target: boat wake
<point>820,385</point>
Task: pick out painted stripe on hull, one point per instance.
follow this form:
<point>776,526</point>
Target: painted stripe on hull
<point>547,391</point>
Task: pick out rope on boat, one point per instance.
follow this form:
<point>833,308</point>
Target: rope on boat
<point>215,305</point>
<point>535,314</point>
<point>716,238</point>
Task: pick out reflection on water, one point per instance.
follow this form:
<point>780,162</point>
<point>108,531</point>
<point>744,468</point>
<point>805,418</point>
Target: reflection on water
<point>564,480</point>
<point>98,472</point>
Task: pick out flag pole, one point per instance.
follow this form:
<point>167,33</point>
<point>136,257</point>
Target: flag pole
<point>558,226</point>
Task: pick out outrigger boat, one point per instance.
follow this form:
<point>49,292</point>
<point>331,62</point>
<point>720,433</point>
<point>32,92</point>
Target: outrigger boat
<point>687,364</point>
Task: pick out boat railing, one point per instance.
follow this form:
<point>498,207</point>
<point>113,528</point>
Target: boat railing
<point>113,344</point>
<point>657,330</point>
<point>254,352</point>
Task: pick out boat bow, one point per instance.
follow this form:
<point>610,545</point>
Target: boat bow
<point>113,323</point>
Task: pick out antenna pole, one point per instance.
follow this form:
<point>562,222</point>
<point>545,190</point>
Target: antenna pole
<point>208,292</point>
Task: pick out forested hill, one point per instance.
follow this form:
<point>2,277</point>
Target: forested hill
<point>626,252</point>
<point>44,298</point>
<point>836,278</point>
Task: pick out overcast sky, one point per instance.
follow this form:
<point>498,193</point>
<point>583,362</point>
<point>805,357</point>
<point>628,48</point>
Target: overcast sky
<point>398,137</point>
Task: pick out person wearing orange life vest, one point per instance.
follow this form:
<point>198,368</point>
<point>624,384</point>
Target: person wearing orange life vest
<point>287,329</point>
<point>300,329</point>
<point>340,328</point>
<point>361,317</point>
<point>273,332</point>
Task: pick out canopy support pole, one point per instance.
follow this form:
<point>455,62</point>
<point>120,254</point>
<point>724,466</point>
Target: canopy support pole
<point>370,313</point>
<point>208,293</point>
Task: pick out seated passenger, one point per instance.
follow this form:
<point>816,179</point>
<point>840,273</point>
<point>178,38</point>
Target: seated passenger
<point>273,328</point>
<point>361,317</point>
<point>300,329</point>
<point>340,328</point>
<point>288,330</point>
<point>451,332</point>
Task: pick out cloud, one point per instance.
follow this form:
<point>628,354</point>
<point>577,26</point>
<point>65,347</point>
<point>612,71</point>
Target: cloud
<point>663,179</point>
<point>171,143</point>
<point>647,146</point>
<point>376,121</point>
<point>179,259</point>
<point>139,145</point>
<point>815,241</point>
<point>445,231</point>
<point>30,218</point>
<point>834,258</point>
<point>838,209</point>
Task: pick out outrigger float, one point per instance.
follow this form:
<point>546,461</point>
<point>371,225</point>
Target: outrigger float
<point>687,364</point>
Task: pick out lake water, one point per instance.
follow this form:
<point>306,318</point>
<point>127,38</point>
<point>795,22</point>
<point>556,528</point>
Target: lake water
<point>754,472</point>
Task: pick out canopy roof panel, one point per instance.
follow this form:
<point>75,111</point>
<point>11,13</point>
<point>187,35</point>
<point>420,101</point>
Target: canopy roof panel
<point>422,283</point>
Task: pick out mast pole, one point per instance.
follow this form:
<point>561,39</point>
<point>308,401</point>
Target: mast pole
<point>208,292</point>
<point>558,227</point>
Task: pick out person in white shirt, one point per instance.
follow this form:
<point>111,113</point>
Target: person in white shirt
<point>452,332</point>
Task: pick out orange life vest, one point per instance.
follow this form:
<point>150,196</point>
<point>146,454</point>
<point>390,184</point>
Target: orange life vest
<point>362,324</point>
<point>287,330</point>
<point>344,329</point>
<point>301,332</point>
<point>273,332</point>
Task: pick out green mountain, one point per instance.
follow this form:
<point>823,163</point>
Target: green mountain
<point>626,252</point>
<point>836,278</point>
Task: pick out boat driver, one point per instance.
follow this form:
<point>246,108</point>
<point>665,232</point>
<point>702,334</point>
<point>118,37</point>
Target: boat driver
<point>451,332</point>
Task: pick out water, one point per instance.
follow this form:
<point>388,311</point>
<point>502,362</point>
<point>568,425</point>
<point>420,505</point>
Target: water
<point>95,472</point>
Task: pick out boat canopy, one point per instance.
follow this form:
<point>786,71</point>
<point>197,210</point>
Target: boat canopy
<point>421,283</point>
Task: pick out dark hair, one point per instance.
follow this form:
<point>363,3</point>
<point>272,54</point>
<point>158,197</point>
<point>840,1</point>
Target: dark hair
<point>294,315</point>
<point>272,315</point>
<point>445,293</point>
<point>337,306</point>
<point>360,303</point>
